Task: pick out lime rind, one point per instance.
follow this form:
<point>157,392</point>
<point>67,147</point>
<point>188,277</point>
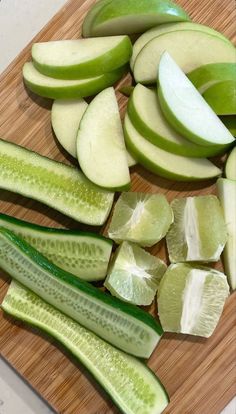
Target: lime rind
<point>198,233</point>
<point>191,299</point>
<point>140,218</point>
<point>134,274</point>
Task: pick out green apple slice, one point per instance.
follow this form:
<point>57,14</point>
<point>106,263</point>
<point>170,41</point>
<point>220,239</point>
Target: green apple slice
<point>190,48</point>
<point>81,58</point>
<point>131,160</point>
<point>67,89</point>
<point>166,164</point>
<point>65,118</point>
<point>90,16</point>
<point>146,115</point>
<point>100,143</point>
<point>167,28</point>
<point>208,75</point>
<point>230,168</point>
<point>132,16</point>
<point>227,193</point>
<point>222,97</point>
<point>185,108</point>
<point>230,122</point>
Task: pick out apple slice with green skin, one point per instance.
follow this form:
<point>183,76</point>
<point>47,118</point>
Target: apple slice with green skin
<point>166,164</point>
<point>167,28</point>
<point>66,115</point>
<point>222,97</point>
<point>65,118</point>
<point>100,143</point>
<point>146,115</point>
<point>81,58</point>
<point>90,16</point>
<point>68,89</point>
<point>186,110</point>
<point>190,48</point>
<point>132,16</point>
<point>230,122</point>
<point>227,194</point>
<point>209,75</point>
<point>230,167</point>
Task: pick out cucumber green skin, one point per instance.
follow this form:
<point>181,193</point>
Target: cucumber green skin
<point>222,97</point>
<point>48,167</point>
<point>178,126</point>
<point>106,63</point>
<point>162,142</point>
<point>22,228</point>
<point>78,91</point>
<point>91,15</point>
<point>70,280</point>
<point>213,72</point>
<point>13,311</point>
<point>154,167</point>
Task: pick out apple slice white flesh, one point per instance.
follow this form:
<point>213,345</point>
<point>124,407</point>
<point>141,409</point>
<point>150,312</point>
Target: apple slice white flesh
<point>167,28</point>
<point>132,16</point>
<point>166,164</point>
<point>230,168</point>
<point>227,194</point>
<point>146,115</point>
<point>65,118</point>
<point>190,48</point>
<point>67,89</point>
<point>100,143</point>
<point>208,75</point>
<point>186,110</point>
<point>81,58</point>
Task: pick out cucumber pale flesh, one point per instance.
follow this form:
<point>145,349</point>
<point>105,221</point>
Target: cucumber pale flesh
<point>125,326</point>
<point>57,185</point>
<point>86,255</point>
<point>132,386</point>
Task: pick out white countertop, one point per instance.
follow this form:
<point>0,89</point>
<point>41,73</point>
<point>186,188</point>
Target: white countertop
<point>19,22</point>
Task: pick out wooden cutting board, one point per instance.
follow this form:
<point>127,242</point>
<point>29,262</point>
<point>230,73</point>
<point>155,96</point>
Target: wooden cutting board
<point>199,374</point>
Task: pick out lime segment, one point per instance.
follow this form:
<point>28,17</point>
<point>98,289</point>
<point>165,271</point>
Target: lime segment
<point>140,218</point>
<point>191,299</point>
<point>134,275</point>
<point>198,232</point>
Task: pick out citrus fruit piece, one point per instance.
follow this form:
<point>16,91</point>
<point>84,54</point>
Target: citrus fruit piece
<point>198,233</point>
<point>140,218</point>
<point>134,275</point>
<point>191,299</point>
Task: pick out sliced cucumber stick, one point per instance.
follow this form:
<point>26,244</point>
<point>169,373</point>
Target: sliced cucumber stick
<point>100,143</point>
<point>132,386</point>
<point>125,326</point>
<point>57,185</point>
<point>86,255</point>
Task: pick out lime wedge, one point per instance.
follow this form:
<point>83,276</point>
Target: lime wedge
<point>198,233</point>
<point>134,275</point>
<point>140,218</point>
<point>191,299</point>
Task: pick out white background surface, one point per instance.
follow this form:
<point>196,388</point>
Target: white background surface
<point>20,20</point>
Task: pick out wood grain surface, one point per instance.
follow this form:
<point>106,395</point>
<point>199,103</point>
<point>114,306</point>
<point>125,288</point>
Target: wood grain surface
<point>199,374</point>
